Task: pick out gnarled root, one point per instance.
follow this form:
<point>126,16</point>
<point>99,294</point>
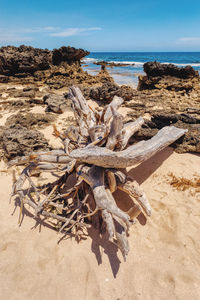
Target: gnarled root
<point>93,152</point>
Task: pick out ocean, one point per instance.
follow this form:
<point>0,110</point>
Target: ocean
<point>129,74</point>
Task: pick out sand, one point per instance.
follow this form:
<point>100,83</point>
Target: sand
<point>164,257</point>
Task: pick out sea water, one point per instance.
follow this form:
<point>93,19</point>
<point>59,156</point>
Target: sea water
<point>129,74</point>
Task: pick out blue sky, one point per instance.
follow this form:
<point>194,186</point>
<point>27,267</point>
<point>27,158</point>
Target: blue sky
<point>104,25</point>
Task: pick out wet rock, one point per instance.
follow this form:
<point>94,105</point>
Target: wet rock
<point>19,141</point>
<point>56,103</point>
<point>112,64</point>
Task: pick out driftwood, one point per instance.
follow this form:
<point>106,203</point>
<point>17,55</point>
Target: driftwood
<point>96,151</point>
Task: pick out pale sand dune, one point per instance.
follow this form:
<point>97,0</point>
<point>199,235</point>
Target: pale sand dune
<point>164,257</point>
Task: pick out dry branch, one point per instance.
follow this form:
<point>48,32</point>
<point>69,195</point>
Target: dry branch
<point>93,151</point>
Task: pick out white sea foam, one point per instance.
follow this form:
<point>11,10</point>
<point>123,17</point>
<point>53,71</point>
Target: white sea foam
<point>89,60</point>
<point>134,63</point>
<point>137,64</point>
<point>188,64</point>
<point>182,65</point>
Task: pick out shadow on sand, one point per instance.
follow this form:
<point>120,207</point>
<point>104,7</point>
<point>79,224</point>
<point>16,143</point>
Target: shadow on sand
<point>140,174</point>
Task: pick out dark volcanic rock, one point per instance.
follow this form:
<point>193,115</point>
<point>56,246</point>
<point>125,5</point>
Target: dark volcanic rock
<point>18,141</point>
<point>155,69</point>
<point>68,54</point>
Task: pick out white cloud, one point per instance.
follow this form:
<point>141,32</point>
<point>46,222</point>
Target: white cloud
<point>39,29</point>
<point>74,31</point>
<point>189,40</point>
<point>18,35</point>
<point>12,38</point>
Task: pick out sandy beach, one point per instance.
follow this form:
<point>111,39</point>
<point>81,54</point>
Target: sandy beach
<point>37,262</point>
<point>163,262</point>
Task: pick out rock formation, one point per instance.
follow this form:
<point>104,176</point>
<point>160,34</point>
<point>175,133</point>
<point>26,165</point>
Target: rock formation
<point>68,54</point>
<point>112,64</point>
<point>58,68</point>
<point>20,135</point>
<point>17,141</point>
<point>168,76</point>
<point>107,91</point>
<point>155,69</point>
<point>23,60</point>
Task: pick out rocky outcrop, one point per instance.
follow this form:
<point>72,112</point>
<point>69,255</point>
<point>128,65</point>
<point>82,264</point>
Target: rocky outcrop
<point>57,69</point>
<point>107,91</point>
<point>56,103</point>
<point>23,60</point>
<point>190,142</point>
<point>68,54</point>
<point>18,141</point>
<point>168,76</point>
<point>112,64</point>
<point>29,120</point>
<point>155,69</point>
<point>19,136</point>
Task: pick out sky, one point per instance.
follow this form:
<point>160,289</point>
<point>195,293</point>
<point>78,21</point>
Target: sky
<point>102,25</point>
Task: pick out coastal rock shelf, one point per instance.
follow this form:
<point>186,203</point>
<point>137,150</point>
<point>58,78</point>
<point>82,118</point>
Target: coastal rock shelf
<point>169,77</point>
<point>90,168</point>
<point>57,68</point>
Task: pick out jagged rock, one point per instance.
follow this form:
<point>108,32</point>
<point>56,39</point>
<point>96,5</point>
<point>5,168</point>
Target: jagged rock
<point>57,69</point>
<point>23,59</point>
<point>56,103</point>
<point>108,90</point>
<point>18,141</point>
<point>112,64</point>
<point>68,54</point>
<point>169,77</point>
<point>127,92</point>
<point>29,120</point>
<point>190,142</point>
<point>155,69</point>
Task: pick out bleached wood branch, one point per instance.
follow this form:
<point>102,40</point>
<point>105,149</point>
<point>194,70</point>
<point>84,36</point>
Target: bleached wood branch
<point>133,155</point>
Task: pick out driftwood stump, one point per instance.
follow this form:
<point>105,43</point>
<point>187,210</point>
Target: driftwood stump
<point>96,151</point>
